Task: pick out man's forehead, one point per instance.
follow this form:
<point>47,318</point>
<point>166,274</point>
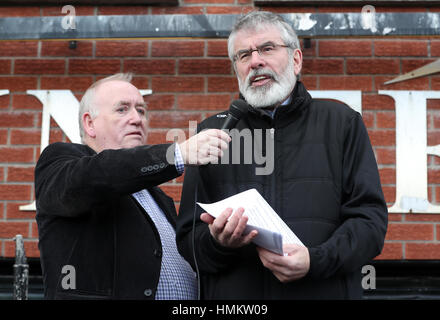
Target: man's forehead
<point>118,91</point>
<point>252,37</point>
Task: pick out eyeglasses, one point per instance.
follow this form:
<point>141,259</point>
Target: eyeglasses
<point>265,50</point>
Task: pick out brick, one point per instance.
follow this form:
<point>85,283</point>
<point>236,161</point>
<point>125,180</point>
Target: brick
<point>141,82</point>
<point>387,175</point>
<point>14,192</point>
<point>177,48</point>
<point>157,137</point>
<point>310,82</point>
<point>382,137</point>
<point>400,48</point>
<point>18,48</point>
<point>177,84</point>
<point>25,136</point>
<point>177,10</point>
<point>412,64</point>
<point>377,102</point>
<point>395,217</point>
<point>73,83</point>
<point>413,84</point>
<point>62,49</point>
<point>174,191</point>
<point>217,48</point>
<point>94,66</point>
<point>20,174</point>
<point>159,101</point>
<point>433,138</point>
<point>10,229</point>
<point>5,66</point>
<point>386,120</point>
<point>389,194</point>
<point>13,211</point>
<point>204,102</point>
<point>385,155</point>
<point>9,120</point>
<point>150,66</point>
<point>222,84</point>
<point>34,230</point>
<point>39,66</point>
<point>435,84</point>
<point>228,10</point>
<point>123,10</point>
<point>18,83</point>
<point>205,66</point>
<point>410,231</point>
<point>351,48</point>
<point>363,83</point>
<point>19,11</point>
<point>435,48</point>
<point>322,66</point>
<point>391,251</point>
<point>368,118</point>
<point>4,101</point>
<point>172,119</point>
<point>372,66</point>
<point>2,178</point>
<point>422,217</point>
<point>433,176</point>
<point>26,102</point>
<point>438,231</point>
<point>422,251</point>
<point>3,137</point>
<point>122,48</point>
<point>16,154</point>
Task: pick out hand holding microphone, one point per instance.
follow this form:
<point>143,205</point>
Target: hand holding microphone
<point>208,145</point>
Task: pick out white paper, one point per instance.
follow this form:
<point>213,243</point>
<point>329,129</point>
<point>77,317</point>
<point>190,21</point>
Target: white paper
<point>272,230</point>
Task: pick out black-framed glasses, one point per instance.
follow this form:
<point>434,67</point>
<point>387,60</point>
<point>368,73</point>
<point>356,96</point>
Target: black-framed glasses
<point>265,50</point>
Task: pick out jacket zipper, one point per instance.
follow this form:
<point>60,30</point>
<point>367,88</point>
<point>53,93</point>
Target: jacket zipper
<point>273,195</point>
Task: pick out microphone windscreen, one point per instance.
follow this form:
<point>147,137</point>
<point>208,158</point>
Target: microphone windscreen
<point>239,108</point>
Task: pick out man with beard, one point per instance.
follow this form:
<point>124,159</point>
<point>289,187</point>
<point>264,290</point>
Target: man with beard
<point>325,183</point>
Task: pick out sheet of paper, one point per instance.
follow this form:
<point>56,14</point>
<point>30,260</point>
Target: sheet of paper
<point>272,230</point>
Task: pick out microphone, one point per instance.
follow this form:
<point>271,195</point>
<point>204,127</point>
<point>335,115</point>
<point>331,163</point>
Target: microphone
<point>237,110</point>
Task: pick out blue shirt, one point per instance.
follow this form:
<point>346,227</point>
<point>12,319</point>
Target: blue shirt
<point>177,280</point>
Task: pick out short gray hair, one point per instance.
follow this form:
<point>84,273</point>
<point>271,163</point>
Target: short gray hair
<point>255,20</point>
<point>87,101</point>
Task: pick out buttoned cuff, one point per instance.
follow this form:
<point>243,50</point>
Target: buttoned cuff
<point>178,160</point>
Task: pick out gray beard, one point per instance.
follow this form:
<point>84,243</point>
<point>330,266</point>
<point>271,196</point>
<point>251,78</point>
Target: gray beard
<point>272,93</point>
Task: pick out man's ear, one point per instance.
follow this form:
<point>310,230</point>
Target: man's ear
<point>297,61</point>
<point>89,125</point>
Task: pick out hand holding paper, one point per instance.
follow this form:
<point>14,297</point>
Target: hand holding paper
<point>228,228</point>
<point>272,230</point>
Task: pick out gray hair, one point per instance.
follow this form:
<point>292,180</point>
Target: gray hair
<point>255,20</point>
<point>87,102</point>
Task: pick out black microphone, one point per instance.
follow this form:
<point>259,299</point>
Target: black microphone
<point>237,110</point>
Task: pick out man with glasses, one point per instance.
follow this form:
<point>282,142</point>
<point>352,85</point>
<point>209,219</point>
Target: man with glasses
<point>325,183</point>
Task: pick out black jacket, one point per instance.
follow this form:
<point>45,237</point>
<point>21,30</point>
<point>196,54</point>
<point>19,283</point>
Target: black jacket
<point>325,186</point>
<point>88,219</point>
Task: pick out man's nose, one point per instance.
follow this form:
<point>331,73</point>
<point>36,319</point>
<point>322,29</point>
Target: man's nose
<point>135,117</point>
<point>256,60</point>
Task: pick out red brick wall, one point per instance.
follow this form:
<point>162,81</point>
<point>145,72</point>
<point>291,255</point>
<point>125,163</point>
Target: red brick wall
<point>192,79</point>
